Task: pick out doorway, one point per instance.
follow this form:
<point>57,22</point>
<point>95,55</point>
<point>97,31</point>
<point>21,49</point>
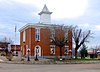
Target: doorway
<point>37,50</point>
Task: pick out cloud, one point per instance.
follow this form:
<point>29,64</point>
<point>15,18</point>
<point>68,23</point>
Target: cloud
<point>2,26</point>
<point>60,8</point>
<point>93,27</point>
<point>97,27</point>
<point>83,25</point>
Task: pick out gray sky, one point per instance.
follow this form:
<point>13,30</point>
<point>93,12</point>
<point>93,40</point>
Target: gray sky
<point>83,13</point>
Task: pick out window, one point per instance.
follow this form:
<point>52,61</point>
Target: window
<point>37,33</point>
<point>52,35</point>
<point>52,49</point>
<point>66,35</point>
<point>24,36</point>
<point>66,50</point>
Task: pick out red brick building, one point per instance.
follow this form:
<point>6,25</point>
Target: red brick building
<point>4,45</point>
<point>36,37</point>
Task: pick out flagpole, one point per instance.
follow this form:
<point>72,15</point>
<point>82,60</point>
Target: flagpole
<point>15,40</point>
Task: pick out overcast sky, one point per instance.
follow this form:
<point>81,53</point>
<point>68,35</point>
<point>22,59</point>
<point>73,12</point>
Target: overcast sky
<point>83,13</point>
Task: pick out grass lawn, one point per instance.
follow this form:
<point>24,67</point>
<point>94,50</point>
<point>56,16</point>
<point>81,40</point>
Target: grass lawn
<point>86,59</point>
<point>82,60</point>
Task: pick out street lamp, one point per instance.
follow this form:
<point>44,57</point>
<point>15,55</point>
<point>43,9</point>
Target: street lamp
<point>28,50</point>
<point>36,59</point>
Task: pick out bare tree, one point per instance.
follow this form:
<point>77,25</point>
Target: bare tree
<point>80,38</point>
<point>59,36</point>
<point>5,41</point>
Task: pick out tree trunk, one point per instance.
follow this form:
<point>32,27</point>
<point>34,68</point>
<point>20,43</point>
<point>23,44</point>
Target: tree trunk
<point>75,53</point>
<point>60,52</point>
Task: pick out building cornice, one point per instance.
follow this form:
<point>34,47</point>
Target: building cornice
<point>35,25</point>
<point>39,25</point>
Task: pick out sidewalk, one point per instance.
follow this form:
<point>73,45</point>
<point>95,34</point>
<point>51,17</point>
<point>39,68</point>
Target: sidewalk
<point>2,59</point>
<point>17,60</point>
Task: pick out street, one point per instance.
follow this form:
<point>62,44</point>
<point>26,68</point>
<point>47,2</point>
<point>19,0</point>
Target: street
<point>49,68</point>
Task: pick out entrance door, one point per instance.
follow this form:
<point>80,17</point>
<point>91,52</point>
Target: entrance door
<point>37,50</point>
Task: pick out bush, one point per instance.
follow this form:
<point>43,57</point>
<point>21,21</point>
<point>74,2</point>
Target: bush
<point>3,53</point>
<point>9,56</point>
<point>56,58</point>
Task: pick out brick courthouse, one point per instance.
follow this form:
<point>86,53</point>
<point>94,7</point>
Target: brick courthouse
<point>36,37</point>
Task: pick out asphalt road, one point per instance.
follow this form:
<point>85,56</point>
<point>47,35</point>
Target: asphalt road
<point>49,68</point>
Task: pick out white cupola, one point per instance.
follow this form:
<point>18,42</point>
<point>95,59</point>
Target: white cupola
<point>45,15</point>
